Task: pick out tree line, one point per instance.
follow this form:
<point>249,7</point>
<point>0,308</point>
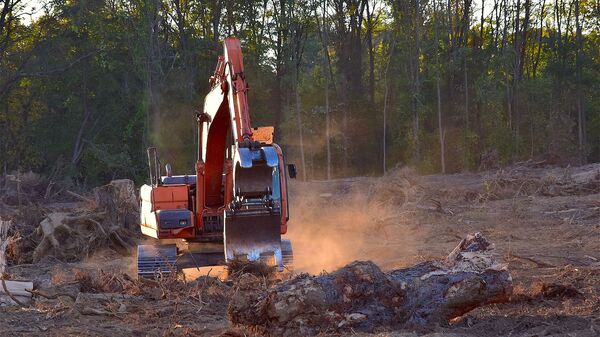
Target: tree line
<point>353,87</point>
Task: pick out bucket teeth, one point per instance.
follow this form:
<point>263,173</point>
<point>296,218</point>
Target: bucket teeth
<point>156,260</point>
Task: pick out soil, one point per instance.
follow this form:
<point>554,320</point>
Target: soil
<point>544,221</point>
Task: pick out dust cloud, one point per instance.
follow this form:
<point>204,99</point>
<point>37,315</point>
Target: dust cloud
<point>334,223</point>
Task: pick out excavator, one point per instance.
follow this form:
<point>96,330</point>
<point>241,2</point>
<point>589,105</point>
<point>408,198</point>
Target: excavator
<point>235,206</point>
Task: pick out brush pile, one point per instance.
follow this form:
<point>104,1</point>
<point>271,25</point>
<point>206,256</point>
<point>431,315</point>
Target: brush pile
<point>528,179</point>
<point>398,188</point>
<point>361,297</point>
<point>24,188</point>
<point>105,219</point>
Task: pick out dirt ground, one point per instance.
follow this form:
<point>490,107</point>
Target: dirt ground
<point>545,222</point>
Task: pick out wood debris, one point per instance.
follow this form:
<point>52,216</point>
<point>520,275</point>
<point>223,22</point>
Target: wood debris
<point>361,297</point>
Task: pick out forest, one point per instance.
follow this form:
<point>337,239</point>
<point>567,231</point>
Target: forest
<point>353,87</point>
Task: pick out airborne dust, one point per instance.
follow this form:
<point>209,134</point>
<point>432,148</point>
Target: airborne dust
<point>334,223</point>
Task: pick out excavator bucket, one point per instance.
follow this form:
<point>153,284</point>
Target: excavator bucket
<point>253,237</point>
<point>252,227</point>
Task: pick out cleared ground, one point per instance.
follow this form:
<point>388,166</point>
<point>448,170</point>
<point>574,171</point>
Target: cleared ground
<point>544,221</point>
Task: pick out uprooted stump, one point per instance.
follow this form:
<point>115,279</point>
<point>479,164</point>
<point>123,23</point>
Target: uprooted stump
<point>108,221</point>
<point>118,200</point>
<point>361,296</point>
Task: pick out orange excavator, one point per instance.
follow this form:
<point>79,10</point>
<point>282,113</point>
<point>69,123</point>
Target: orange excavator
<point>235,206</point>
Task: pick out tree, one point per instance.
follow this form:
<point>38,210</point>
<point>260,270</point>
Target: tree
<point>353,87</point>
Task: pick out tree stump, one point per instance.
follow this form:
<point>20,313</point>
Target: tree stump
<point>108,221</point>
<point>360,296</point>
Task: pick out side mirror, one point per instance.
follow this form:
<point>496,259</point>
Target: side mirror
<point>292,171</point>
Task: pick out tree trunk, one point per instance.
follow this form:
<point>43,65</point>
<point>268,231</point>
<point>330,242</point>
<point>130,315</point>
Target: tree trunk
<point>216,19</point>
<point>327,127</point>
<point>300,133</point>
<point>580,110</point>
<point>466,82</point>
<point>360,297</point>
<point>385,104</point>
<point>87,112</point>
<point>323,34</point>
<point>438,91</point>
<point>370,25</point>
<point>440,127</point>
<point>516,75</point>
<point>296,50</point>
<point>524,31</point>
<point>416,83</point>
<point>497,30</point>
<point>508,102</point>
<point>539,41</point>
<point>481,22</point>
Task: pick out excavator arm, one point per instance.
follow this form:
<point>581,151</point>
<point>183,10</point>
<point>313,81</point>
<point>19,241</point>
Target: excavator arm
<point>229,89</point>
<point>253,212</point>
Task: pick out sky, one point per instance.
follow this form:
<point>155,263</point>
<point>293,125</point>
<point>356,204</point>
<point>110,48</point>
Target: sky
<point>34,8</point>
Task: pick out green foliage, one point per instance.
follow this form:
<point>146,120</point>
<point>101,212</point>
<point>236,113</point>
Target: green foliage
<point>88,85</point>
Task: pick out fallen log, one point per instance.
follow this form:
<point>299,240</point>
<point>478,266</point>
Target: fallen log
<point>17,288</point>
<point>15,292</point>
<point>361,297</point>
